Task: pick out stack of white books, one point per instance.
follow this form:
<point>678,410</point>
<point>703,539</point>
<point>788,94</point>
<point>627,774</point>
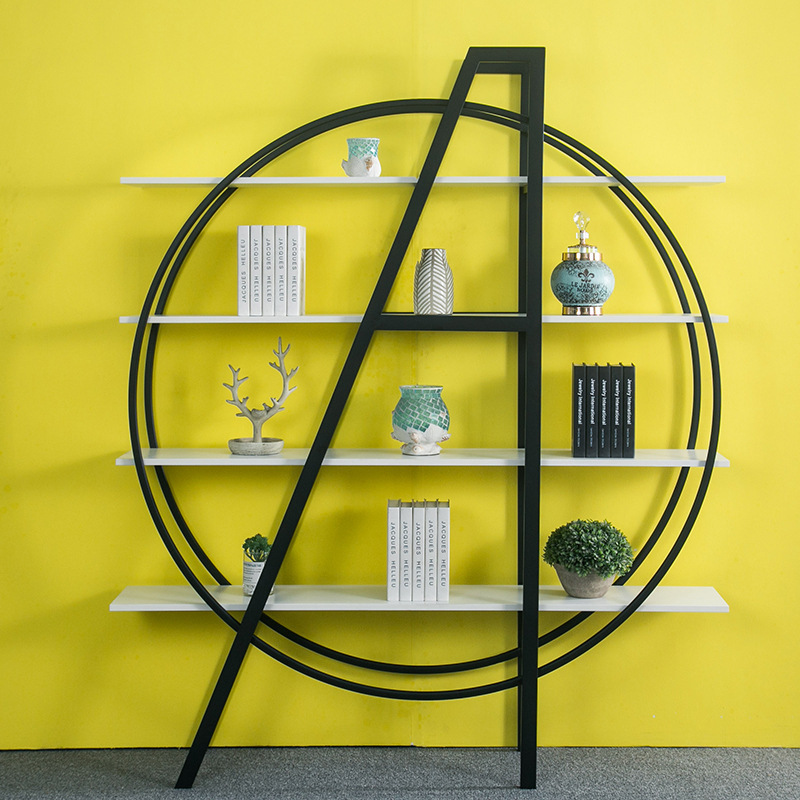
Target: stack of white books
<point>271,270</point>
<point>418,552</point>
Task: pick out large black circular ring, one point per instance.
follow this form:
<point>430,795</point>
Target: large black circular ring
<point>146,337</point>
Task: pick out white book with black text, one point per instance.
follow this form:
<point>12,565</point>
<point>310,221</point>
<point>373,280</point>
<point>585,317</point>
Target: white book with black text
<point>393,551</point>
<point>418,559</point>
<point>296,267</point>
<point>443,553</point>
<point>405,552</point>
<point>255,270</point>
<point>431,526</point>
<point>280,271</point>
<point>267,270</point>
<point>243,270</point>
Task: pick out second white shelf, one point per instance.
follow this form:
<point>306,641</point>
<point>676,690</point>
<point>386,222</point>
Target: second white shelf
<point>313,319</point>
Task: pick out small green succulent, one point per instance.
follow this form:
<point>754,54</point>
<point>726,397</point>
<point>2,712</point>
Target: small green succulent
<point>584,546</point>
<point>257,547</point>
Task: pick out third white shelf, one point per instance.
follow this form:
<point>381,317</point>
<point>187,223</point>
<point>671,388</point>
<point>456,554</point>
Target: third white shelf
<point>454,457</point>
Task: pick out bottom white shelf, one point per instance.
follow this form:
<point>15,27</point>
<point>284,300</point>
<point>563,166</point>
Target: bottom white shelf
<point>373,598</point>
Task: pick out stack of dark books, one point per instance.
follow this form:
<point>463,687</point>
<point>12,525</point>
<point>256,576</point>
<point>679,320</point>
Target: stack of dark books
<point>603,410</point>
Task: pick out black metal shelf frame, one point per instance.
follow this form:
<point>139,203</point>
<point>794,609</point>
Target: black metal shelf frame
<point>528,64</point>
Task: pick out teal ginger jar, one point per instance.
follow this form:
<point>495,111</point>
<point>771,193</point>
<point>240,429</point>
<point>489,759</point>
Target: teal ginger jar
<point>582,281</point>
<point>420,420</point>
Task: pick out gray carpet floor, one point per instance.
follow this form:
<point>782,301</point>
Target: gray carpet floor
<point>388,773</point>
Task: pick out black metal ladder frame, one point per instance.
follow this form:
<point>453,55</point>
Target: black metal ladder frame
<point>529,64</point>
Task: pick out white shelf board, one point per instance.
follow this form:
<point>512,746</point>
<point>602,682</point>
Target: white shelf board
<point>631,319</point>
<point>694,599</point>
<point>443,180</point>
<point>452,457</point>
<point>642,458</point>
<point>547,319</point>
<point>373,598</point>
<point>639,180</point>
<point>462,180</point>
<point>222,457</point>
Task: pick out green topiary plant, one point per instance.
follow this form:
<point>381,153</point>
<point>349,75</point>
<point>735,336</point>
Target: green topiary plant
<point>257,547</point>
<point>588,546</point>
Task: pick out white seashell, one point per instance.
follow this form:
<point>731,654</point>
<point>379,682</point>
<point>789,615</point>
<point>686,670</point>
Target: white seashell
<point>419,443</point>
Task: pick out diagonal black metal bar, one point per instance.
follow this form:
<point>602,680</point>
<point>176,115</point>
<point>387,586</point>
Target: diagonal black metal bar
<point>341,392</point>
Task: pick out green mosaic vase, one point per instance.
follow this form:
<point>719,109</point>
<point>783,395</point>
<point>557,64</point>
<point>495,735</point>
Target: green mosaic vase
<point>420,420</point>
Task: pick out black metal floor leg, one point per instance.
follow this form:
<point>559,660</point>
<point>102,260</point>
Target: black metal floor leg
<point>529,412</point>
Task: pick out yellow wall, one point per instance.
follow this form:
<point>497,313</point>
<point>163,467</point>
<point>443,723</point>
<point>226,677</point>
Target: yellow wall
<point>192,88</point>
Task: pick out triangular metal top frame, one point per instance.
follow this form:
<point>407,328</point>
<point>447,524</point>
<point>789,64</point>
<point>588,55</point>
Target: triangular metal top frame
<point>528,63</point>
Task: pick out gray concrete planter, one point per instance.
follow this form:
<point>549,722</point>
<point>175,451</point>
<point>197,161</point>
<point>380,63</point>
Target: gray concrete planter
<point>247,447</point>
<point>591,585</point>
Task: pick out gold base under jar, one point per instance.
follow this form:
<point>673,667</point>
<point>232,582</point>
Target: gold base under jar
<point>581,311</point>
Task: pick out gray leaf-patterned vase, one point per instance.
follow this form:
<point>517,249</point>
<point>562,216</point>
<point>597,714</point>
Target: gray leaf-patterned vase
<point>433,283</point>
<point>420,420</point>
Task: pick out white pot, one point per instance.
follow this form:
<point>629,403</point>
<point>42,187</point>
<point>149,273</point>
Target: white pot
<point>251,572</point>
<point>247,447</point>
<point>362,158</point>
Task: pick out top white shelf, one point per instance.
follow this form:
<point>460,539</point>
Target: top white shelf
<point>444,180</point>
<point>637,319</point>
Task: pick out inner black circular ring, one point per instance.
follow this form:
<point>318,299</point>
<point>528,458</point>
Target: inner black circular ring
<point>157,297</point>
